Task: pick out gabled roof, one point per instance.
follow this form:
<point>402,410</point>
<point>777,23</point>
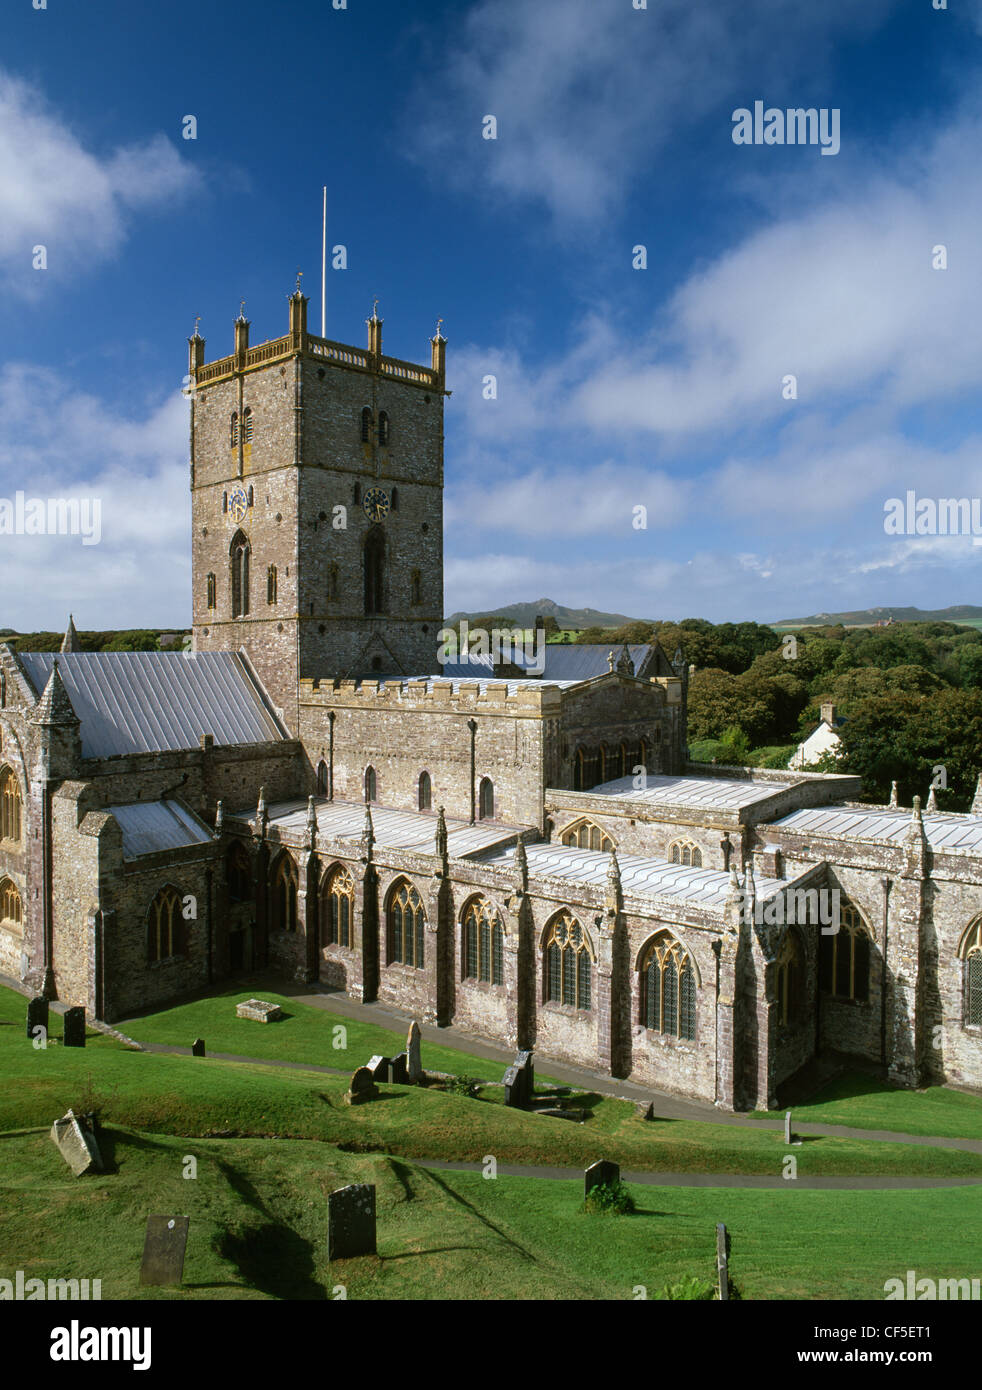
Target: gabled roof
<point>953,834</point>
<point>151,826</point>
<point>155,702</point>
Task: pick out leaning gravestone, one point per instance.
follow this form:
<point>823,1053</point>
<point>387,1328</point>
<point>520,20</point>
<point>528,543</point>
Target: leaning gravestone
<point>787,1127</point>
<point>77,1144</point>
<point>723,1261</point>
<point>414,1063</point>
<point>400,1070</point>
<point>259,1010</point>
<point>600,1174</point>
<point>351,1221</point>
<point>198,1047</point>
<point>163,1250</point>
<point>74,1035</point>
<point>379,1068</point>
<point>37,1014</point>
<point>514,1086</point>
<point>362,1087</point>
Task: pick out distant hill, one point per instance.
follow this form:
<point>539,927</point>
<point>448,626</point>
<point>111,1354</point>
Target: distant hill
<point>524,615</point>
<point>866,617</point>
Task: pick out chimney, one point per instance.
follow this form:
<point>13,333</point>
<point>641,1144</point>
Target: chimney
<point>828,712</point>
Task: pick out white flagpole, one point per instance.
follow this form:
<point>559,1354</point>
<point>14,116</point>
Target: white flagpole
<point>324,269</point>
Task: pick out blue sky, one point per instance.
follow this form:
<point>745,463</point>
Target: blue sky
<point>617,387</point>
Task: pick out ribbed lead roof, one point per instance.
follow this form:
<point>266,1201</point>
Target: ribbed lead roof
<point>412,830</point>
<point>151,826</point>
<point>714,792</point>
<point>155,702</point>
<point>883,824</point>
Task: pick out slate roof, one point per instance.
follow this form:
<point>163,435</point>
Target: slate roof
<point>564,663</point>
<point>151,826</point>
<point>640,876</point>
<point>886,825</point>
<point>154,702</point>
<point>410,830</point>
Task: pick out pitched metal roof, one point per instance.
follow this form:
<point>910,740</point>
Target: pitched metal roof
<point>563,663</point>
<point>640,876</point>
<point>154,702</point>
<point>716,793</point>
<point>151,826</point>
<point>885,824</point>
<point>411,830</point>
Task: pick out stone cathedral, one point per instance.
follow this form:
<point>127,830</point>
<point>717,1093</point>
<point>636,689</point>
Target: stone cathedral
<point>528,855</point>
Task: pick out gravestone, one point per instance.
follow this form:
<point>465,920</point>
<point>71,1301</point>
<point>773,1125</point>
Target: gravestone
<point>163,1250</point>
<point>514,1086</point>
<point>198,1047</point>
<point>600,1174</point>
<point>258,1010</point>
<point>787,1127</point>
<point>77,1143</point>
<point>400,1070</point>
<point>74,1035</point>
<point>362,1087</point>
<point>414,1062</point>
<point>379,1068</point>
<point>525,1062</point>
<point>645,1110</point>
<point>351,1221</point>
<point>37,1014</point>
<point>723,1261</point>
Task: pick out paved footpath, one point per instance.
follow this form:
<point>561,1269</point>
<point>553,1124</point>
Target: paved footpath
<point>667,1107</point>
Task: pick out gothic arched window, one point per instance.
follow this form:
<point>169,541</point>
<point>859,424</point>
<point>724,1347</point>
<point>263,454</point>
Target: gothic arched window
<point>486,800</point>
<point>970,952</point>
<point>10,806</point>
<point>165,926</point>
<point>284,900</point>
<point>685,852</point>
<point>375,571</point>
<point>383,427</point>
<point>425,799</point>
<point>211,591</point>
<point>668,988</point>
<point>322,778</point>
<point>567,962</point>
<point>271,584</point>
<point>788,966</point>
<point>406,921</point>
<point>233,430</point>
<point>339,908</point>
<point>844,956</point>
<point>239,574</point>
<point>583,834</point>
<point>370,784</point>
<point>366,427</point>
<point>238,869</point>
<point>483,941</point>
<point>247,425</point>
<point>11,908</point>
<point>415,588</point>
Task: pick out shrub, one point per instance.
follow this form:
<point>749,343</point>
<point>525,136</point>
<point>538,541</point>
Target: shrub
<point>690,1289</point>
<point>609,1199</point>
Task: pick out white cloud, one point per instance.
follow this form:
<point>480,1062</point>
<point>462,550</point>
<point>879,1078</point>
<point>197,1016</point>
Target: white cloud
<point>588,92</point>
<point>61,443</point>
<point>57,194</point>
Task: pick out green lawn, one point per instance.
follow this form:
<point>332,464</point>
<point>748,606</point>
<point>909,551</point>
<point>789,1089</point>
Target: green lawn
<point>307,1034</point>
<point>862,1103</point>
<point>258,1228</point>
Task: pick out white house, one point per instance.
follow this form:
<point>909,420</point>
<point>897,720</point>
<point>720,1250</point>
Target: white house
<point>823,738</point>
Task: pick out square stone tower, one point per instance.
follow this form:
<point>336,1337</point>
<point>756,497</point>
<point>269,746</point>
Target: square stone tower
<point>317,506</point>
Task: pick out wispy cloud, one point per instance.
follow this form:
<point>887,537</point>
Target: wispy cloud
<point>76,203</point>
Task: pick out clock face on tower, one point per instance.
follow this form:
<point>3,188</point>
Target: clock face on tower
<point>238,504</point>
<point>376,504</point>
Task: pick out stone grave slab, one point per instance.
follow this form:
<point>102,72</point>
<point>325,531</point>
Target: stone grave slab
<point>259,1010</point>
<point>198,1047</point>
<point>351,1221</point>
<point>74,1035</point>
<point>362,1087</point>
<point>77,1143</point>
<point>600,1174</point>
<point>414,1061</point>
<point>163,1250</point>
<point>379,1068</point>
<point>514,1083</point>
<point>400,1070</point>
<point>37,1014</point>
